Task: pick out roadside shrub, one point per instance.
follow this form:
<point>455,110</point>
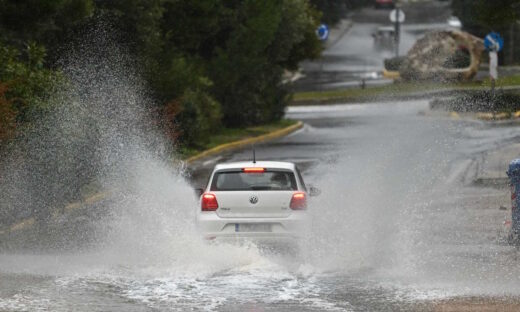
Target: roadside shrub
<point>394,63</point>
<point>199,116</point>
<point>7,116</point>
<point>460,59</point>
<point>480,101</point>
<point>265,38</point>
<point>30,84</point>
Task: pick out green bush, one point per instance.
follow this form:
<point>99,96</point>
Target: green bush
<point>393,64</point>
<point>30,84</point>
<point>7,116</point>
<point>200,117</point>
<point>241,48</point>
<point>266,37</point>
<point>460,59</point>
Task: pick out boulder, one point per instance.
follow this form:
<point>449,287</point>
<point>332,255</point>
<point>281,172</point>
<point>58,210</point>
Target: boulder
<point>449,55</point>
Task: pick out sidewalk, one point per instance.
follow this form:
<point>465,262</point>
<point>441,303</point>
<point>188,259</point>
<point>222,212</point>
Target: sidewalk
<point>491,166</point>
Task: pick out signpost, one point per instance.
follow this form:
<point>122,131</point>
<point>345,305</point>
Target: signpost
<point>494,44</point>
<point>397,17</point>
<point>323,34</point>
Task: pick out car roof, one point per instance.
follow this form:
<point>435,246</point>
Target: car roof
<point>249,164</point>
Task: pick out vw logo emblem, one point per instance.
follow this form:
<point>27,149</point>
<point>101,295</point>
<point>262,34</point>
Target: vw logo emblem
<point>253,199</point>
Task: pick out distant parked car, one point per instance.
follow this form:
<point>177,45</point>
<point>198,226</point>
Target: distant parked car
<point>454,22</point>
<point>384,38</point>
<point>384,4</point>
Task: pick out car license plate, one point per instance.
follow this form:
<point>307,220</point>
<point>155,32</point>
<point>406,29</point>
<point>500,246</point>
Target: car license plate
<point>252,227</point>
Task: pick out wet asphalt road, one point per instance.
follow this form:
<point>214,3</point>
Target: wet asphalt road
<point>396,228</point>
<point>399,216</point>
<point>355,56</point>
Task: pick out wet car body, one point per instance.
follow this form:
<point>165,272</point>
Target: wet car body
<point>262,202</point>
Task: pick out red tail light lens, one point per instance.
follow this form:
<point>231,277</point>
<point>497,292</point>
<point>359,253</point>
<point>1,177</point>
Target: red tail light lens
<point>253,170</point>
<point>299,201</point>
<point>209,202</point>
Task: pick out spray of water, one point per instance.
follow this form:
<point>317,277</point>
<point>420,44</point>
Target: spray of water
<point>101,137</point>
<point>141,241</point>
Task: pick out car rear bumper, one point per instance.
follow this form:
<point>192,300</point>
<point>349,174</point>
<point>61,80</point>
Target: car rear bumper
<point>225,229</point>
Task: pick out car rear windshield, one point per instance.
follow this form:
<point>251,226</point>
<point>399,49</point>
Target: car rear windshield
<point>272,180</point>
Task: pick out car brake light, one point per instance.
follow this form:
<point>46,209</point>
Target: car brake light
<point>209,202</point>
<point>298,201</point>
<point>253,170</point>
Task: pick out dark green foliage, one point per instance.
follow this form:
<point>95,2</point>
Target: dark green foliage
<point>482,16</point>
<point>29,84</point>
<point>216,60</point>
<point>200,116</point>
<point>205,63</point>
<point>394,63</point>
<point>333,10</point>
<point>460,59</point>
<point>276,35</point>
<point>240,47</point>
<point>479,17</point>
<point>45,22</point>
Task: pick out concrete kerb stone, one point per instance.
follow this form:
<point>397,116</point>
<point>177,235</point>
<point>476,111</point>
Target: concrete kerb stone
<point>486,116</point>
<point>245,142</point>
<point>213,151</point>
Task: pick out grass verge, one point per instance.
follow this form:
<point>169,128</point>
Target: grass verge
<point>227,135</point>
<point>396,89</point>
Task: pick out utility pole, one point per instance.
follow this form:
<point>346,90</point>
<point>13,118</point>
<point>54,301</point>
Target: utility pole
<point>397,31</point>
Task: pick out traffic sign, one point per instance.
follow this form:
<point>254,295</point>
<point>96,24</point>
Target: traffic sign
<point>394,16</point>
<point>494,42</point>
<point>322,32</point>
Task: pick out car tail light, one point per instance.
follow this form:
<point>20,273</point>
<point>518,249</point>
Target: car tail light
<point>209,202</point>
<point>253,170</point>
<point>299,201</point>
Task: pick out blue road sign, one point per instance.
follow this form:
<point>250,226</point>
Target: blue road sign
<point>493,42</point>
<point>323,32</point>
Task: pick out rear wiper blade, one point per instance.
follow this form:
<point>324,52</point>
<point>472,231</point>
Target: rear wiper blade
<point>260,188</point>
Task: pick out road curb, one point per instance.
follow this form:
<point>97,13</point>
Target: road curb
<point>492,116</point>
<point>245,142</point>
<point>20,225</point>
<point>487,116</point>
<point>391,74</point>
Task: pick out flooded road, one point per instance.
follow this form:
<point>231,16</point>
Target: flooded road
<point>395,229</point>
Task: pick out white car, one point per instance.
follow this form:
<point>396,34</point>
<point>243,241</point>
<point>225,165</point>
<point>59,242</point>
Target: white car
<point>262,201</point>
<point>454,22</point>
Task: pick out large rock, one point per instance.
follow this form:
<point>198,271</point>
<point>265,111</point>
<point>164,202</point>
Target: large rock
<point>443,55</point>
